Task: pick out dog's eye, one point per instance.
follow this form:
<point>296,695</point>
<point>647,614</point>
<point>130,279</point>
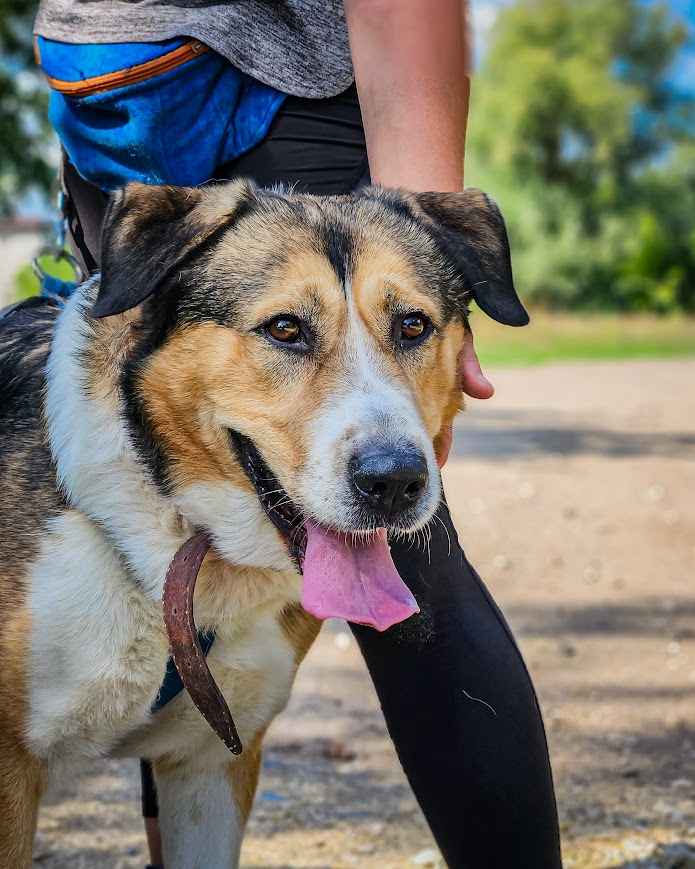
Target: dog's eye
<point>286,329</point>
<point>413,328</point>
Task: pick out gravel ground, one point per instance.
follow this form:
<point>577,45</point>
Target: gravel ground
<point>573,491</point>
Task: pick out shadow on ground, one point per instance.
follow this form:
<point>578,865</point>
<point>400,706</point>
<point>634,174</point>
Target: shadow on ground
<point>331,794</point>
<point>641,617</point>
<point>653,759</point>
<point>482,441</point>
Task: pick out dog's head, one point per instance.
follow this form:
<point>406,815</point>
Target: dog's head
<point>300,350</point>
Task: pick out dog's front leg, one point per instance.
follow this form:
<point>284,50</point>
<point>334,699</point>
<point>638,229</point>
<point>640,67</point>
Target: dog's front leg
<point>203,810</point>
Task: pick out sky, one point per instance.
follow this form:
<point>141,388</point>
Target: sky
<point>683,75</point>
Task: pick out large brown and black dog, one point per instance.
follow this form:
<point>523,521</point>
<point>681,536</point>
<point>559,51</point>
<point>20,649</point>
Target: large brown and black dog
<point>313,340</point>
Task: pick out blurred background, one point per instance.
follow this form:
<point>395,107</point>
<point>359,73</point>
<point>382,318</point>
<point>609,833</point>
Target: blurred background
<point>573,489</point>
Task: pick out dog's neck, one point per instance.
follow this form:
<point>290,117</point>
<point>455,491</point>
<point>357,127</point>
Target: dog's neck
<point>97,467</point>
<point>102,476</point>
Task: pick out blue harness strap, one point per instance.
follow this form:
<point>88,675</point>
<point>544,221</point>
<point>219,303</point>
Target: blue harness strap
<point>52,287</point>
<point>172,685</point>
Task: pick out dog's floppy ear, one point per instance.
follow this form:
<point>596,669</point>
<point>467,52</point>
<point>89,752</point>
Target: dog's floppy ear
<point>150,231</point>
<point>471,231</point>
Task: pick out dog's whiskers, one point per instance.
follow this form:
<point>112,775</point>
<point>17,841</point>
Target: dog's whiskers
<point>298,518</point>
<point>281,502</point>
<point>272,492</point>
<point>446,530</point>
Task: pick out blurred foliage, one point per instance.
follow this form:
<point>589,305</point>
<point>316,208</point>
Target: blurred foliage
<point>590,150</point>
<point>24,128</point>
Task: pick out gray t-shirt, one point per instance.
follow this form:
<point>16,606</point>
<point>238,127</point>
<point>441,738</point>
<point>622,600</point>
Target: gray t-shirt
<point>297,46</point>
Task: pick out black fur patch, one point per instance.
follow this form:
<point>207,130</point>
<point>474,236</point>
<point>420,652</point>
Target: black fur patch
<point>152,234</point>
<point>28,481</point>
<point>470,231</point>
<point>160,317</point>
<point>337,244</point>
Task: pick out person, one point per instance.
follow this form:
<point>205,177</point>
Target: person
<point>326,96</point>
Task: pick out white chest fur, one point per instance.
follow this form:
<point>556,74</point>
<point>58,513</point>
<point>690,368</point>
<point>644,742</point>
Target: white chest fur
<point>99,650</point>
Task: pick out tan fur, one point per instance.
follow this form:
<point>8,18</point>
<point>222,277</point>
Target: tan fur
<point>207,373</point>
<point>300,628</point>
<point>384,282</point>
<point>22,776</point>
<point>243,777</point>
<point>112,341</point>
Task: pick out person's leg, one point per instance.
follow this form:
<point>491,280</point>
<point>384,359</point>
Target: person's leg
<point>85,206</point>
<point>463,715</point>
<point>150,814</point>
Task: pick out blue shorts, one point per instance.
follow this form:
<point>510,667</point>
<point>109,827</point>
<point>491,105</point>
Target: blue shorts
<point>161,113</point>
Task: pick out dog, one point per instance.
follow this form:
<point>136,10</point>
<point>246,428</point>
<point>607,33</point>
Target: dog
<point>275,369</point>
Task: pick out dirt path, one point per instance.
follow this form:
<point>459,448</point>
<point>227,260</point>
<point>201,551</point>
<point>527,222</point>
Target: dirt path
<point>574,491</point>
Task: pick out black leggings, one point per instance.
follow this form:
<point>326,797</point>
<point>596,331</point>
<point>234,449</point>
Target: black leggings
<point>456,695</point>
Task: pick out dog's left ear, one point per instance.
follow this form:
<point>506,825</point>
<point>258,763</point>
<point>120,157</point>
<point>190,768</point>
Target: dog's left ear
<point>151,231</point>
<point>471,231</point>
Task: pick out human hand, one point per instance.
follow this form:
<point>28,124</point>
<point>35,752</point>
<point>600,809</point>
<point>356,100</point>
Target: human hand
<point>473,382</point>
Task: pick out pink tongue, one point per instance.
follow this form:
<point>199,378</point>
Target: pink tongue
<point>354,580</point>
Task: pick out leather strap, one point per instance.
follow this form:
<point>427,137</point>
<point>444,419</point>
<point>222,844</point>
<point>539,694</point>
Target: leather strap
<point>185,645</point>
<point>85,206</point>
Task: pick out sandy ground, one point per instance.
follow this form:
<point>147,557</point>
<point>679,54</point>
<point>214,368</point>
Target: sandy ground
<point>574,491</point>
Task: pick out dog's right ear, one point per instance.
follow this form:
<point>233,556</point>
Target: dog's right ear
<point>150,231</point>
<point>470,229</point>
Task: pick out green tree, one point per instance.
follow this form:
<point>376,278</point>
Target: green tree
<point>24,130</point>
<point>656,269</point>
<point>578,131</point>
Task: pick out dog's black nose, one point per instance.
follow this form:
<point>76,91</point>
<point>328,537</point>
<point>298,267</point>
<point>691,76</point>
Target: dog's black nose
<point>389,481</point>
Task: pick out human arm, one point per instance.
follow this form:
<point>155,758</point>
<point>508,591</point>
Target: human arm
<point>412,64</point>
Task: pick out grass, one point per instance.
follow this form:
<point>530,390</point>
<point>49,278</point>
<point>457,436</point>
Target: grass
<point>558,337</point>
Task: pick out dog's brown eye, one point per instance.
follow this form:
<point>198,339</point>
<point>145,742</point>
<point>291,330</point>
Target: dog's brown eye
<point>414,326</point>
<point>285,329</point>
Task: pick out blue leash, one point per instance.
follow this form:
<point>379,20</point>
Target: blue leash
<point>50,286</point>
